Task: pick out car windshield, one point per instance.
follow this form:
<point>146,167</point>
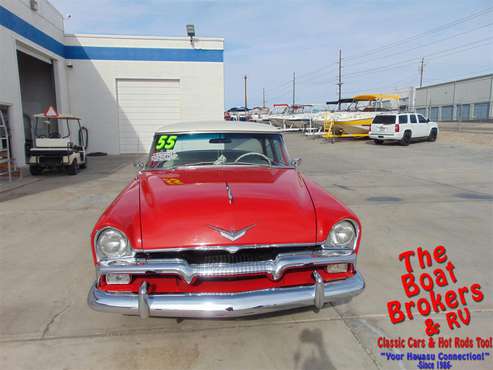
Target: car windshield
<point>386,120</point>
<point>217,149</point>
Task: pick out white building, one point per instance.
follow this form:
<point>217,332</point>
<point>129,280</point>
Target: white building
<point>461,100</point>
<point>123,87</point>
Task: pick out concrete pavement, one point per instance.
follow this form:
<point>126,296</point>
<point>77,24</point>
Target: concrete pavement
<point>422,195</point>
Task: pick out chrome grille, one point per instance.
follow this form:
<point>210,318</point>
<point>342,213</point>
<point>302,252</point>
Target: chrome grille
<point>251,255</point>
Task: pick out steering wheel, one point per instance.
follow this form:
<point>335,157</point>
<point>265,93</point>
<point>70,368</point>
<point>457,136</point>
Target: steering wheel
<point>254,153</point>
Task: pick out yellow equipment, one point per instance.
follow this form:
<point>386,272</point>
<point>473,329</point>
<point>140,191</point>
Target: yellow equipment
<point>356,123</point>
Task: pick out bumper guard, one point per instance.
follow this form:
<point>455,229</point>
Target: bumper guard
<point>225,304</point>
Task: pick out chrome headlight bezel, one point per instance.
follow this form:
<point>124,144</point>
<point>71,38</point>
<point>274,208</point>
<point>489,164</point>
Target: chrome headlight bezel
<point>351,244</point>
<point>126,250</point>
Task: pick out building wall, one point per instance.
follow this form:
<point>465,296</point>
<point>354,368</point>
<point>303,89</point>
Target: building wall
<point>86,68</point>
<point>17,21</point>
<point>93,87</point>
<point>462,95</point>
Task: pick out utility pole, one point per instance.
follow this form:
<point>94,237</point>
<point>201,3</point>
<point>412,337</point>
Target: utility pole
<point>246,98</point>
<point>339,84</point>
<point>263,97</point>
<point>421,69</point>
<point>294,88</point>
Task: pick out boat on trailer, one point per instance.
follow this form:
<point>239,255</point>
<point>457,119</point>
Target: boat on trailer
<point>356,121</point>
<point>328,113</point>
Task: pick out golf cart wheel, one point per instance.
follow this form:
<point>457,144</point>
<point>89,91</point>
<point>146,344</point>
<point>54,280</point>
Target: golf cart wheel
<point>35,170</point>
<point>83,165</point>
<point>406,139</point>
<point>73,169</point>
<point>378,142</point>
<point>433,135</point>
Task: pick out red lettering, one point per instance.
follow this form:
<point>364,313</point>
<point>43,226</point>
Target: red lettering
<point>465,318</point>
<point>406,256</point>
<point>440,254</point>
<point>451,299</point>
<point>409,305</point>
<point>452,320</point>
<point>426,285</point>
<point>424,258</point>
<point>436,302</point>
<point>450,268</point>
<point>424,306</point>
<point>477,294</point>
<point>441,278</point>
<point>462,291</point>
<point>409,285</point>
<point>395,313</point>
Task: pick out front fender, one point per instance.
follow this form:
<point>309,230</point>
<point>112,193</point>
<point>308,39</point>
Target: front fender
<point>328,211</point>
<point>123,214</point>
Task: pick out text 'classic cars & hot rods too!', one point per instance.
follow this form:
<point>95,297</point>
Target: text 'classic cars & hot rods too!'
<point>221,223</point>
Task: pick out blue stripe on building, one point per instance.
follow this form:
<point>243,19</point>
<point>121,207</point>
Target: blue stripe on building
<point>143,54</point>
<point>21,27</point>
<point>18,25</point>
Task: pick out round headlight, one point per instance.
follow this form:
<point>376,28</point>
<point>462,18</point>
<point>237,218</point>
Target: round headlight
<point>112,243</point>
<point>342,235</point>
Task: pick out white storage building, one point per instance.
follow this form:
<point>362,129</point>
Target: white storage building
<point>123,87</point>
<point>462,100</point>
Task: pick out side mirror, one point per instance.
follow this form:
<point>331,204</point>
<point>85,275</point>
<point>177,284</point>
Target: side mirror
<point>139,165</point>
<point>427,120</point>
<point>295,162</point>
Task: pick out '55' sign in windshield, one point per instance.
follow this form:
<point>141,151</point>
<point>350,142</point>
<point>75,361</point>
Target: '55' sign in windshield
<point>166,142</point>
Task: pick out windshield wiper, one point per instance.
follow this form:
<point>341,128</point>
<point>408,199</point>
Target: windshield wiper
<point>248,164</point>
<point>198,164</point>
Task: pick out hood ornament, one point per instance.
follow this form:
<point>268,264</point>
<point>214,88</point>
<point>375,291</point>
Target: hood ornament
<point>231,234</point>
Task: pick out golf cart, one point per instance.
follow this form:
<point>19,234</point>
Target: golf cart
<point>60,142</point>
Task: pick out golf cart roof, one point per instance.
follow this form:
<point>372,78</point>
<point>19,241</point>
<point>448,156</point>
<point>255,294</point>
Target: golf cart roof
<point>58,116</point>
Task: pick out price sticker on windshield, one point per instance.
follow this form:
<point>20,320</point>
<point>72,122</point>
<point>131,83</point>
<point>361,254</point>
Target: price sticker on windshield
<point>166,142</point>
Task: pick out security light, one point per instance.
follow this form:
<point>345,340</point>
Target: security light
<point>34,5</point>
<point>191,31</point>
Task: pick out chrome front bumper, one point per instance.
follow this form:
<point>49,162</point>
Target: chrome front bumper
<point>225,304</point>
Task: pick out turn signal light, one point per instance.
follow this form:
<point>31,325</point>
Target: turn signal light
<point>337,267</point>
<point>118,278</point>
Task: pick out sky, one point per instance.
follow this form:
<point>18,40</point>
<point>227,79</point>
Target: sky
<point>382,42</point>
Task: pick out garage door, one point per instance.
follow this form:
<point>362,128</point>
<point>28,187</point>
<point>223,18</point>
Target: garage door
<point>144,106</point>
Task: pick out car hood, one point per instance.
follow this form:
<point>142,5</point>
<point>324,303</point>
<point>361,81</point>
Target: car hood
<point>190,207</point>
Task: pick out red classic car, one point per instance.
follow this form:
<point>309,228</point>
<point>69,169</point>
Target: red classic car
<point>221,223</point>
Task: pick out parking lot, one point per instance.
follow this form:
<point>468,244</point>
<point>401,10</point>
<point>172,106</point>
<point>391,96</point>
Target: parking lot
<point>422,195</point>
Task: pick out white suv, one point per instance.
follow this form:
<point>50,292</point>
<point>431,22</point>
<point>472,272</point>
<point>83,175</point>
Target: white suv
<point>402,127</point>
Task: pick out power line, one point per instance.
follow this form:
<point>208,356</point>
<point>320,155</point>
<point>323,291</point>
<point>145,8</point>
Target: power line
<point>445,52</point>
<point>420,46</point>
<point>422,34</point>
<point>314,74</point>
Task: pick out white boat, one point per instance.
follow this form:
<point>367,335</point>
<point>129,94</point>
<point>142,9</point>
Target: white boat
<point>357,120</point>
<point>259,114</point>
<point>278,114</point>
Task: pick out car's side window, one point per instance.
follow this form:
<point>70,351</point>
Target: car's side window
<point>421,119</point>
<point>403,119</point>
<point>413,118</point>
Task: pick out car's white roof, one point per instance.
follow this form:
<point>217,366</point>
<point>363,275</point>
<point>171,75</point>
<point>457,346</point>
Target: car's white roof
<point>219,126</point>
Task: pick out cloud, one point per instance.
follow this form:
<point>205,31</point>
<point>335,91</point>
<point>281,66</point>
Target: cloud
<point>268,40</point>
